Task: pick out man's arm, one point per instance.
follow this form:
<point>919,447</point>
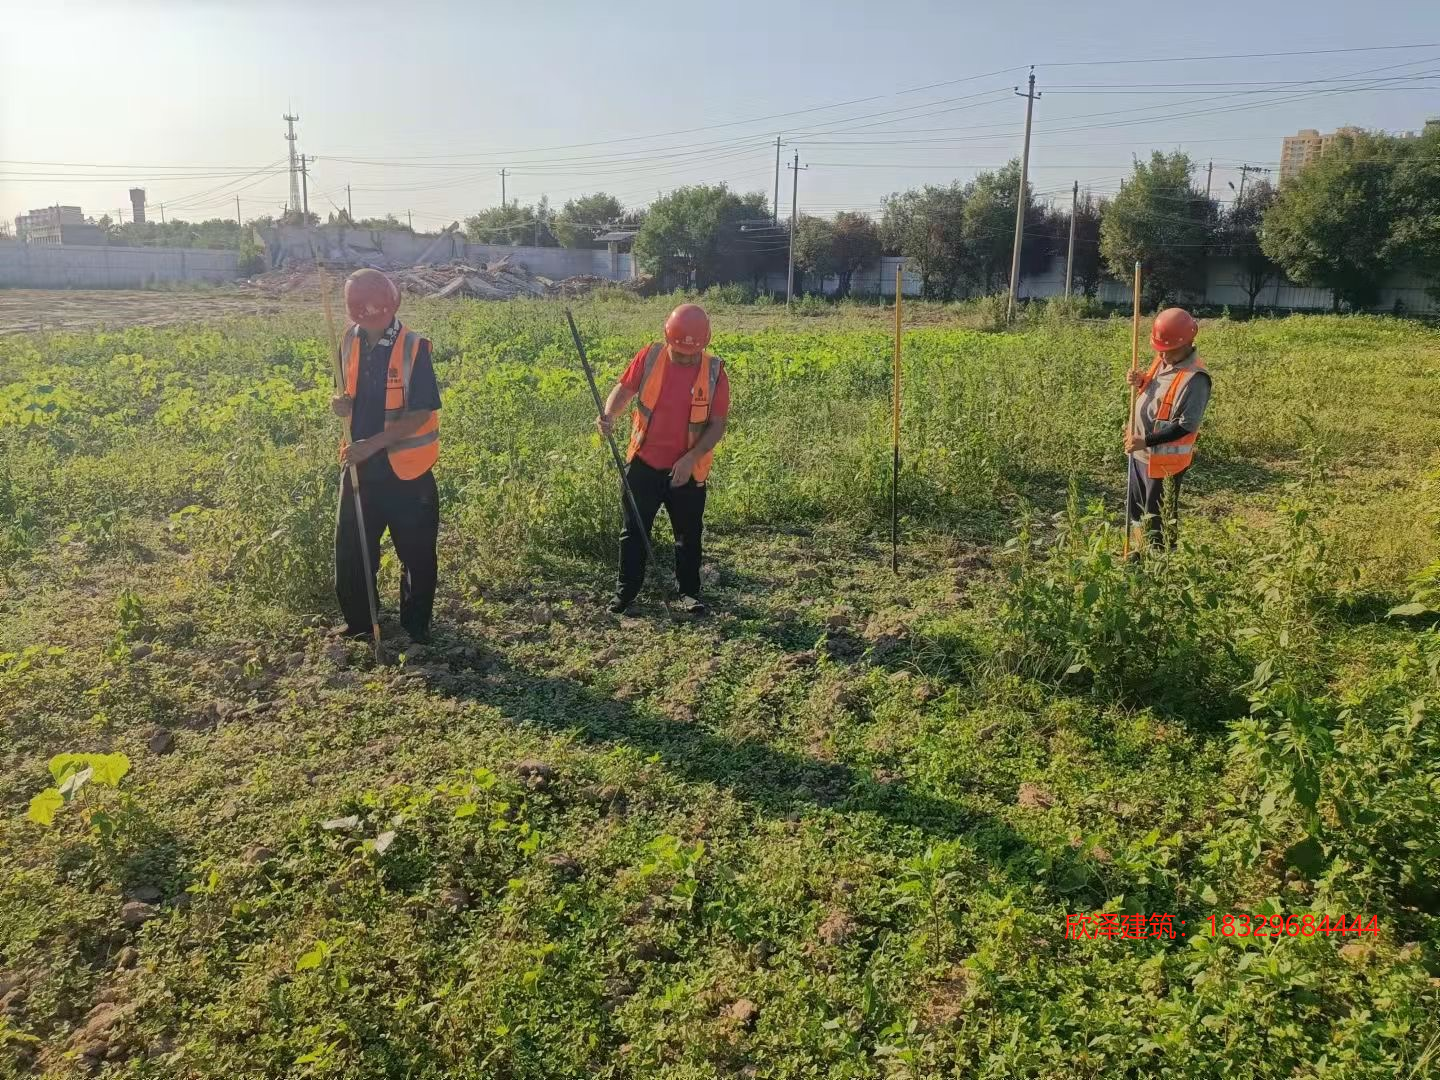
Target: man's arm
<point>409,424</point>
<point>618,401</point>
<point>714,432</point>
<point>1189,411</point>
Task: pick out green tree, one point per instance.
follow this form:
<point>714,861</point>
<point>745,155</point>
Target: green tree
<point>1052,227</point>
<point>815,248</point>
<point>579,219</point>
<point>1239,237</point>
<point>512,226</point>
<point>927,225</point>
<point>1415,198</point>
<point>856,244</point>
<point>988,232</point>
<point>696,234</point>
<point>1332,226</point>
<point>1161,221</point>
<point>215,233</point>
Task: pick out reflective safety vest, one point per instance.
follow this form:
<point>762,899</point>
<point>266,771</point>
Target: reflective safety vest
<point>413,456</point>
<point>702,397</point>
<point>1165,383</point>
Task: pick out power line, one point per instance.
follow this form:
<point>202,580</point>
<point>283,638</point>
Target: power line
<point>1240,56</point>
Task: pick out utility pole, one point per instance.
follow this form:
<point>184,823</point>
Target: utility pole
<point>1244,171</point>
<point>1029,97</point>
<point>1070,250</point>
<point>409,221</point>
<point>294,165</point>
<point>162,213</point>
<point>237,210</point>
<point>775,217</point>
<point>502,188</point>
<point>1209,175</point>
<point>794,221</point>
<point>305,189</point>
<point>349,206</point>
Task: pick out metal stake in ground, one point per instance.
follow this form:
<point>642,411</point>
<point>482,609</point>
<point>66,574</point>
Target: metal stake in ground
<point>1134,393</point>
<point>354,472</point>
<point>610,441</point>
<point>895,461</point>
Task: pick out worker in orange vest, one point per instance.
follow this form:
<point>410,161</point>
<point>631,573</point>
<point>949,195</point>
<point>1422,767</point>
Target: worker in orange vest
<point>1171,402</point>
<point>682,407</point>
<point>392,400</point>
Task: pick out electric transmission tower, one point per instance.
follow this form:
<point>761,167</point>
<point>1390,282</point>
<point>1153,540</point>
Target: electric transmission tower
<point>294,163</point>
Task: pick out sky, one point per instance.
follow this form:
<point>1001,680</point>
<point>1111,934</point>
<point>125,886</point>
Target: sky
<point>417,106</point>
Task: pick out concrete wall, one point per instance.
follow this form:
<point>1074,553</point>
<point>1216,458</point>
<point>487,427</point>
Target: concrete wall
<point>48,266</point>
<point>387,248</point>
<point>1222,286</point>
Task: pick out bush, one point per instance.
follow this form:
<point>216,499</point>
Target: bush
<point>732,292</point>
<point>1150,632</point>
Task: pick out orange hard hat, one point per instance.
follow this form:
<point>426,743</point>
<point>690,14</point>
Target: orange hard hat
<point>688,328</point>
<point>371,299</point>
<point>1174,328</point>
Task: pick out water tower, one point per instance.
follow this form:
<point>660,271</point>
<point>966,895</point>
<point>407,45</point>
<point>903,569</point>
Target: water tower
<point>137,203</point>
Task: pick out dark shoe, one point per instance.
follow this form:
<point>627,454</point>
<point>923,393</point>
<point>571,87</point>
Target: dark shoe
<point>620,605</point>
<point>345,630</point>
<point>418,637</point>
<point>692,605</point>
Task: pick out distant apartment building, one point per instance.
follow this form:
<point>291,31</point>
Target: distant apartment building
<point>56,225</point>
<point>1307,146</point>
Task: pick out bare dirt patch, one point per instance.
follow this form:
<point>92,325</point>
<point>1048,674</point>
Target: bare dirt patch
<point>29,310</point>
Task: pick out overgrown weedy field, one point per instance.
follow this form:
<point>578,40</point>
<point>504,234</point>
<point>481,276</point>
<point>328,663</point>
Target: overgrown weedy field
<point>833,831</point>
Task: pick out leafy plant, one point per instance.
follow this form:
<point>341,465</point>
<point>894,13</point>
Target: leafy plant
<point>78,778</point>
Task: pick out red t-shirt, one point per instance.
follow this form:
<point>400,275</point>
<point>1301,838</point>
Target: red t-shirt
<point>668,436</point>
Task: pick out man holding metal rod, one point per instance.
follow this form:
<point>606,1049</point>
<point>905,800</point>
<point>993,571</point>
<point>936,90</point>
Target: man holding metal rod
<point>682,407</point>
<point>392,400</point>
<point>1168,407</point>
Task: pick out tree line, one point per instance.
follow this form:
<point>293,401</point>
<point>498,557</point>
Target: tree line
<point>1368,209</point>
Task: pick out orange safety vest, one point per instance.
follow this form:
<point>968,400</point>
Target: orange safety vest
<point>702,397</point>
<point>1170,458</point>
<point>410,457</point>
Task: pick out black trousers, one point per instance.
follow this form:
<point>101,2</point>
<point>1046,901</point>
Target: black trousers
<point>685,506</point>
<point>1151,504</point>
<point>410,509</point>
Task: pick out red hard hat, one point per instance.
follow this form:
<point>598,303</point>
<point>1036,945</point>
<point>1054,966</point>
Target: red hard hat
<point>1174,328</point>
<point>688,328</point>
<point>371,299</point>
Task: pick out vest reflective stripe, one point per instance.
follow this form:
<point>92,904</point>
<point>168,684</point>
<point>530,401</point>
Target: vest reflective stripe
<point>413,456</point>
<point>702,399</point>
<point>1167,459</point>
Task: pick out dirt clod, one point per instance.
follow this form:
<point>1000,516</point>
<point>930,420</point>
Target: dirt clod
<point>135,914</point>
<point>566,867</point>
<point>146,894</point>
<point>161,741</point>
<point>1035,796</point>
<point>837,928</point>
<point>96,1035</point>
<point>257,855</point>
<point>536,775</point>
<point>127,958</point>
<point>742,1013</point>
<point>454,898</point>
